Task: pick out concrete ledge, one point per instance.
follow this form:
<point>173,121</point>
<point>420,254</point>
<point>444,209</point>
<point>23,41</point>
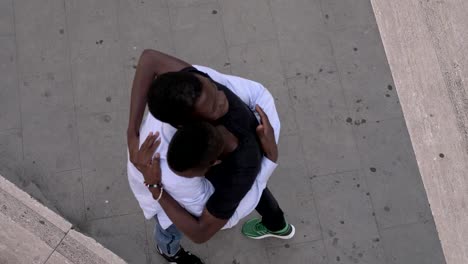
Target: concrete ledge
<point>427,46</point>
<point>32,233</point>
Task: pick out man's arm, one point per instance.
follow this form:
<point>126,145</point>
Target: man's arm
<point>199,230</point>
<point>150,64</point>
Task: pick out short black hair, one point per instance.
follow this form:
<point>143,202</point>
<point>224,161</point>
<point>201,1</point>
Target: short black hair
<point>172,96</point>
<point>194,146</point>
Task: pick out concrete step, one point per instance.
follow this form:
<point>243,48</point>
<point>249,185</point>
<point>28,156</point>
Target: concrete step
<point>32,233</point>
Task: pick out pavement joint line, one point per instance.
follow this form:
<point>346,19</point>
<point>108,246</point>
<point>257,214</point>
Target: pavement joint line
<point>100,112</point>
<point>422,221</point>
<point>364,177</point>
<point>283,70</point>
<point>121,49</point>
<point>148,256</point>
<point>294,116</point>
<point>111,216</point>
<point>220,8</point>
<point>314,200</point>
<point>337,172</point>
<point>343,28</point>
<point>296,244</point>
<point>7,35</point>
<point>171,28</point>
<point>67,28</point>
<point>10,130</point>
<point>251,43</point>
<point>189,5</point>
<point>18,90</point>
<point>68,170</point>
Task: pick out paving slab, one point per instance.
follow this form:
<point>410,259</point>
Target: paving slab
<point>297,16</point>
<point>402,244</point>
<point>365,75</point>
<point>198,35</point>
<point>142,24</point>
<point>103,163</point>
<point>187,3</point>
<point>310,252</point>
<point>53,133</point>
<point>6,18</point>
<point>116,234</point>
<point>93,35</point>
<point>346,14</point>
<point>390,168</point>
<point>11,155</point>
<point>329,147</point>
<point>298,58</point>
<point>345,211</point>
<point>317,99</point>
<point>290,184</point>
<point>10,116</point>
<point>44,68</point>
<point>261,62</point>
<point>247,21</point>
<point>67,196</point>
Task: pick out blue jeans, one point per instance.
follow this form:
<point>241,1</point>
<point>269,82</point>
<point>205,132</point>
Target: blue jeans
<point>167,240</point>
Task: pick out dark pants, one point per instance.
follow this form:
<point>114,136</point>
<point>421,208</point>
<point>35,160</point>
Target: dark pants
<point>272,215</point>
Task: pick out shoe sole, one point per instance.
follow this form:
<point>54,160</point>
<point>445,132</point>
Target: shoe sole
<point>168,261</point>
<point>293,232</point>
<point>162,255</point>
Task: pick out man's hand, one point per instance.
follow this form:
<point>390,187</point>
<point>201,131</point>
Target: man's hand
<point>267,136</point>
<point>148,162</point>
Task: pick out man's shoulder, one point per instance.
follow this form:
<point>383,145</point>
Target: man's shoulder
<point>233,82</point>
<point>241,166</point>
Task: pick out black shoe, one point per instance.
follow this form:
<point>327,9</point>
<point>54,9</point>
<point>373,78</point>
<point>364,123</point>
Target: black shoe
<point>182,257</point>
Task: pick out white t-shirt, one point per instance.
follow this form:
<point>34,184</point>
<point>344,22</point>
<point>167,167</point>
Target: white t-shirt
<point>193,193</point>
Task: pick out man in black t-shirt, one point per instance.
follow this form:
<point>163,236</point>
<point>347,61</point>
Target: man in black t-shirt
<point>237,160</point>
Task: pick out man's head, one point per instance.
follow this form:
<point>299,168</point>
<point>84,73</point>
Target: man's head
<point>194,149</point>
<point>178,98</point>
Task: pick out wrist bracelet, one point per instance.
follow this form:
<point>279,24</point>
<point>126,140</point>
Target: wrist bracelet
<point>161,190</point>
<point>156,185</point>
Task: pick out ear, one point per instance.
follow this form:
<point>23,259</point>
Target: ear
<point>216,163</point>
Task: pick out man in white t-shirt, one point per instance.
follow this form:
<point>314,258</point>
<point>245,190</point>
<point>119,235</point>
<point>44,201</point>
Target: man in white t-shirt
<point>191,193</point>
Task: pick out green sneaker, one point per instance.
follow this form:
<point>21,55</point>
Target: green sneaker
<point>256,230</point>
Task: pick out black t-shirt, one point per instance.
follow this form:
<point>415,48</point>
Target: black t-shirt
<point>234,177</point>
